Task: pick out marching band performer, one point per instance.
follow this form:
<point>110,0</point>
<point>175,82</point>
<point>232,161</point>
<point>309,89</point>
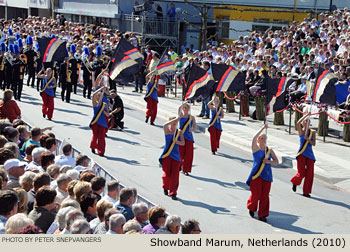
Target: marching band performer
<point>2,66</point>
<point>73,68</point>
<point>31,58</point>
<point>215,128</point>
<point>8,66</point>
<point>187,126</point>
<point>305,157</point>
<point>87,73</point>
<point>65,79</point>
<point>170,158</point>
<point>151,98</point>
<point>38,65</point>
<point>260,177</point>
<point>47,94</point>
<point>18,66</point>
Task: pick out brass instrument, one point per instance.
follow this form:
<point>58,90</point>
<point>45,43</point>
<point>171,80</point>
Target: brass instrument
<point>9,58</point>
<point>2,66</point>
<point>21,72</point>
<point>23,58</point>
<point>68,73</point>
<point>105,59</point>
<point>35,63</point>
<point>87,64</point>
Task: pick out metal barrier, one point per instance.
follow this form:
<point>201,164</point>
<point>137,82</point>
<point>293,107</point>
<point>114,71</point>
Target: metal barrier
<point>100,171</point>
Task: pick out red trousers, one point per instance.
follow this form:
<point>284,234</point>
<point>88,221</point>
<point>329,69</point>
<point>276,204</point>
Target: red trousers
<point>151,108</point>
<point>215,135</point>
<point>305,170</point>
<point>98,140</point>
<point>260,190</point>
<point>186,154</point>
<point>48,104</point>
<point>171,169</point>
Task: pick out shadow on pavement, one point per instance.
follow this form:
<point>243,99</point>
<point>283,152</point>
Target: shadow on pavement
<point>132,132</point>
<point>234,122</point>
<point>123,160</point>
<point>71,111</point>
<point>285,221</point>
<point>213,209</point>
<point>243,160</point>
<point>215,181</point>
<point>65,123</point>
<point>123,140</point>
<point>32,103</point>
<point>332,202</point>
<point>242,185</point>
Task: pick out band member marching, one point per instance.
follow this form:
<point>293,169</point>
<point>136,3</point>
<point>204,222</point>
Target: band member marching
<point>65,79</point>
<point>73,68</point>
<point>87,73</point>
<point>187,126</point>
<point>170,158</point>
<point>99,123</point>
<point>151,98</point>
<point>8,66</point>
<point>18,66</point>
<point>305,157</point>
<point>31,58</point>
<point>47,94</point>
<point>260,177</point>
<point>38,65</point>
<point>2,66</point>
<point>215,128</point>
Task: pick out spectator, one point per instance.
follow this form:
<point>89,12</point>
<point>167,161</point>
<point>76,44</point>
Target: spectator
<point>35,138</point>
<point>22,200</point>
<point>71,217</point>
<point>101,206</point>
<point>132,226</point>
<point>5,154</point>
<point>26,180</point>
<point>51,144</point>
<point>80,189</point>
<point>116,223</point>
<point>103,227</point>
<point>70,188</point>
<point>88,203</point>
<point>73,174</point>
<point>14,148</point>
<point>28,151</point>
<point>23,135</point>
<point>8,207</point>
<point>62,185</point>
<point>82,162</point>
<point>191,227</point>
<point>80,226</point>
<point>16,222</point>
<point>65,168</point>
<point>60,220</point>
<point>4,178</point>
<point>3,141</point>
<point>54,171</point>
<point>8,107</point>
<point>98,186</point>
<point>140,211</point>
<point>172,225</point>
<point>65,158</point>
<point>171,18</point>
<point>126,199</point>
<point>112,191</point>
<point>15,169</point>
<point>35,165</point>
<point>41,179</point>
<point>43,213</point>
<point>46,159</point>
<point>156,216</point>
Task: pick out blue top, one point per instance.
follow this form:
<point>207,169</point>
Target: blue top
<point>187,134</point>
<point>105,99</point>
<point>102,120</point>
<point>217,123</point>
<point>154,94</point>
<point>48,91</point>
<point>266,174</point>
<point>175,154</point>
<point>125,210</point>
<point>172,14</point>
<point>308,151</point>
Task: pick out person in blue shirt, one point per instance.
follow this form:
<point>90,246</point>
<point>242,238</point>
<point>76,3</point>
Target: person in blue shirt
<point>47,92</point>
<point>215,128</point>
<point>171,14</point>
<point>170,158</point>
<point>260,177</point>
<point>305,157</point>
<point>151,98</point>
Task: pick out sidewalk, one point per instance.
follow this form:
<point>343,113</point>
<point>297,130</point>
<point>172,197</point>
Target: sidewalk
<point>332,165</point>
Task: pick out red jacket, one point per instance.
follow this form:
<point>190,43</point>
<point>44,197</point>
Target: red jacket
<point>9,110</point>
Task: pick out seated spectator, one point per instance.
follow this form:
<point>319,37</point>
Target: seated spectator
<point>4,178</point>
<point>65,158</point>
<point>71,216</point>
<point>35,133</point>
<point>5,154</point>
<point>22,200</point>
<point>112,191</point>
<point>126,199</point>
<point>80,226</point>
<point>103,227</point>
<point>46,159</point>
<point>30,230</point>
<point>116,223</point>
<point>301,91</point>
<point>43,139</point>
<point>172,225</point>
<point>35,165</point>
<point>140,211</point>
<point>70,202</point>
<point>8,207</point>
<point>16,222</point>
<point>28,153</point>
<point>3,141</point>
<point>132,225</point>
<point>65,168</point>
<point>88,203</point>
<point>41,179</point>
<point>156,216</point>
<point>60,221</point>
<point>70,188</point>
<point>11,134</point>
<point>15,169</point>
<point>26,180</point>
<point>14,148</point>
<point>82,162</point>
<point>73,174</point>
<point>101,206</point>
<point>191,227</point>
<point>80,189</point>
<point>8,107</point>
<point>51,144</point>
<point>98,186</point>
<point>62,184</point>
<point>44,213</point>
<point>23,135</point>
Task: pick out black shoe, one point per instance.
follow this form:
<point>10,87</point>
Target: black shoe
<point>306,195</point>
<point>206,117</point>
<point>200,115</point>
<point>186,173</point>
<point>135,91</point>
<point>146,121</point>
<point>152,123</point>
<point>101,155</point>
<point>213,153</point>
<point>44,115</point>
<point>50,119</point>
<point>263,219</point>
<point>141,91</point>
<point>294,188</point>
<point>173,197</point>
<point>165,192</point>
<point>93,151</point>
<point>251,213</point>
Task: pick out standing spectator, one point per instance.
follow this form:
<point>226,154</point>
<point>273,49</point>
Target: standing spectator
<point>156,216</point>
<point>41,179</point>
<point>126,199</point>
<point>8,107</point>
<point>15,169</point>
<point>171,18</point>
<point>172,225</point>
<point>159,14</point>
<point>8,207</point>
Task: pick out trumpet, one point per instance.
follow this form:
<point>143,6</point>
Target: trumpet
<point>87,64</point>
<point>68,73</point>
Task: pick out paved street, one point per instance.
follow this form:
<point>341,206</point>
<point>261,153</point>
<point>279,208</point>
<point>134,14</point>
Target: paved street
<point>215,193</point>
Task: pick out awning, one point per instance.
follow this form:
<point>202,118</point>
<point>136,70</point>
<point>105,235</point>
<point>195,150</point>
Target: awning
<point>87,13</point>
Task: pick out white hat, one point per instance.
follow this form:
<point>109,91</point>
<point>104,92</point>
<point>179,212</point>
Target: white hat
<point>13,163</point>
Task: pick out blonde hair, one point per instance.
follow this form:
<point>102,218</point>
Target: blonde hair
<point>23,200</point>
<point>262,135</point>
<point>81,188</point>
<point>102,206</point>
<point>172,118</point>
<point>16,222</point>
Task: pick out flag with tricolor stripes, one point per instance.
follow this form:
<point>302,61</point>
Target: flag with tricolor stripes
<point>324,90</point>
<point>200,84</point>
<point>166,65</point>
<point>52,49</point>
<point>277,90</point>
<point>228,78</point>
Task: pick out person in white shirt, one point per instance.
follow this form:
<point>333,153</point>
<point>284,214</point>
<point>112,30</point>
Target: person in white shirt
<point>62,184</point>
<point>66,158</point>
<point>112,191</point>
